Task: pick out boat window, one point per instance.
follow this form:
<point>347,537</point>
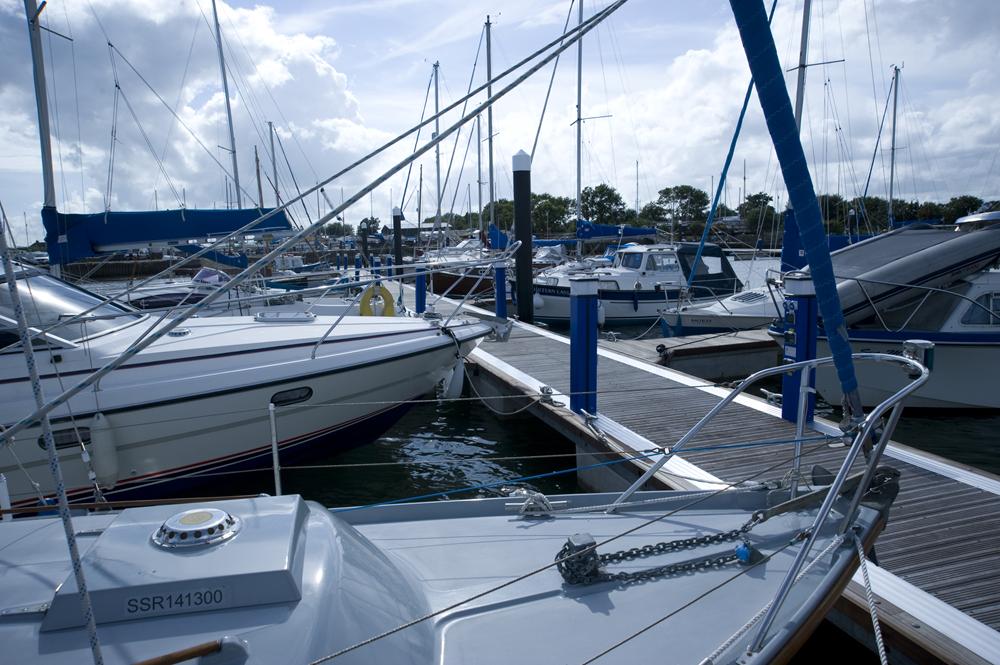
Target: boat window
<point>607,285</point>
<point>47,301</point>
<point>708,265</point>
<point>67,438</point>
<point>631,260</point>
<point>293,396</point>
<point>986,311</point>
<point>662,263</point>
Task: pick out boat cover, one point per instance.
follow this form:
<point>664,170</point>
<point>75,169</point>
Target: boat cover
<point>71,236</point>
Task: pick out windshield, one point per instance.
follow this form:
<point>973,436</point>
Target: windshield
<point>47,301</point>
<point>630,260</point>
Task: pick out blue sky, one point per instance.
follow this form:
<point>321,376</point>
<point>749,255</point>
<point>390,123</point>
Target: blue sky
<point>338,78</point>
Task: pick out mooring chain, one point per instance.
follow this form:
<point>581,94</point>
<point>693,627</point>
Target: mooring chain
<point>582,564</point>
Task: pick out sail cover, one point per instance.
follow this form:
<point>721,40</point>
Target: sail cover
<point>71,236</point>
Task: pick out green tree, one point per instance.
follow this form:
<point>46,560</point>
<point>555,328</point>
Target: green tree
<point>372,224</point>
<point>756,211</point>
<point>930,211</point>
<point>959,206</point>
<point>338,229</point>
<point>652,213</point>
<point>550,214</point>
<point>684,202</point>
<point>603,204</point>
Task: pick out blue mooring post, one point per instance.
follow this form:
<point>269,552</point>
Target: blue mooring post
<point>377,266</point>
<point>583,344</point>
<point>800,343</point>
<point>357,267</point>
<point>420,286</point>
<point>500,288</point>
<point>391,272</point>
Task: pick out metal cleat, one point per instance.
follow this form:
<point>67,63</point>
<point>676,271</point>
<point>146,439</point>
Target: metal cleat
<point>535,504</point>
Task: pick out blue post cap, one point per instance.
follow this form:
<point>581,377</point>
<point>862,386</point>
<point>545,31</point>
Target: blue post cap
<point>522,161</point>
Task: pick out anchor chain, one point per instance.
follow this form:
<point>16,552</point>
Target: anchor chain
<point>579,562</point>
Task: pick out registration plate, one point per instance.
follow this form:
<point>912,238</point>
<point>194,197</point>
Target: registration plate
<point>176,602</point>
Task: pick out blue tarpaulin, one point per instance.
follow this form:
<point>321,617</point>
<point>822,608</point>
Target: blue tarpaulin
<point>71,236</point>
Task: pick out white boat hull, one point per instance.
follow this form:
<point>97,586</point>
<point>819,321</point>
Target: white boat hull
<point>182,418</point>
<point>962,376</point>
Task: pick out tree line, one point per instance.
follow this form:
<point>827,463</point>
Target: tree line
<point>688,206</point>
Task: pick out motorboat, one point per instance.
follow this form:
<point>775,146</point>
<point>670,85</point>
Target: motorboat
<point>963,321</point>
<point>642,282</point>
<point>731,575</point>
<point>197,400</point>
<point>873,274</point>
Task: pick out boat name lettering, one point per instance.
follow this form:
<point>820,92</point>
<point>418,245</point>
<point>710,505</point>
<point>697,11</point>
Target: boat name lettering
<point>167,603</point>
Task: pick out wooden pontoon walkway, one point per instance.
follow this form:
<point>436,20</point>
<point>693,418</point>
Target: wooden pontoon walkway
<point>938,578</point>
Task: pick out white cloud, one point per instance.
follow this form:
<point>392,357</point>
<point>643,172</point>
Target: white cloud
<point>349,76</point>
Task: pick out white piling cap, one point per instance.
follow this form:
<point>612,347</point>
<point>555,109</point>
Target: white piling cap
<point>522,161</point>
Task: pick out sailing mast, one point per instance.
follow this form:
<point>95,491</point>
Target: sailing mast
<point>229,110</point>
<point>489,117</point>
<point>579,126</point>
<point>42,106</point>
<point>479,170</point>
<point>274,166</point>
<point>437,155</point>
<point>803,48</point>
<point>892,145</point>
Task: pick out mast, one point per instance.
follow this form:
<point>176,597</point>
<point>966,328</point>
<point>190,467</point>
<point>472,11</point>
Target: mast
<point>489,115</point>
<point>420,196</point>
<point>892,146</point>
<point>479,170</point>
<point>803,48</point>
<point>229,110</point>
<point>260,187</point>
<point>274,166</point>
<point>437,153</point>
<point>42,107</point>
<point>42,104</point>
<point>579,114</point>
<point>637,190</point>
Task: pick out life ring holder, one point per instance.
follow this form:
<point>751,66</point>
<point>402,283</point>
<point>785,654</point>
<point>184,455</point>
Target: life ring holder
<point>365,304</point>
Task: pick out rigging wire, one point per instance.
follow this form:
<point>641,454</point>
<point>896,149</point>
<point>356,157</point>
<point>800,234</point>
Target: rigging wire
<point>177,102</point>
<point>556,562</point>
<point>545,104</point>
<point>577,31</point>
<point>416,142</point>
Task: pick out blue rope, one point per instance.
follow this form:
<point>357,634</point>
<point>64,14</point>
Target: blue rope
<point>725,170</point>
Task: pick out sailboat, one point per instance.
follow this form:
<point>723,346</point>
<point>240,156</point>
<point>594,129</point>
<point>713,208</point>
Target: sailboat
<point>725,576</point>
<point>181,397</point>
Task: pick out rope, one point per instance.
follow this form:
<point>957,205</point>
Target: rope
<point>722,648</point>
<point>870,596</point>
<point>50,449</point>
<point>545,567</point>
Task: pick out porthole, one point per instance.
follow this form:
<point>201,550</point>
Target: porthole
<point>67,438</point>
<point>293,396</point>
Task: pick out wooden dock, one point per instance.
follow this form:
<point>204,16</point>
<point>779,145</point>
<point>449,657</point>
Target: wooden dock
<point>937,579</point>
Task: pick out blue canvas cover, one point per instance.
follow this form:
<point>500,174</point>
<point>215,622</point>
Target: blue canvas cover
<point>72,236</point>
